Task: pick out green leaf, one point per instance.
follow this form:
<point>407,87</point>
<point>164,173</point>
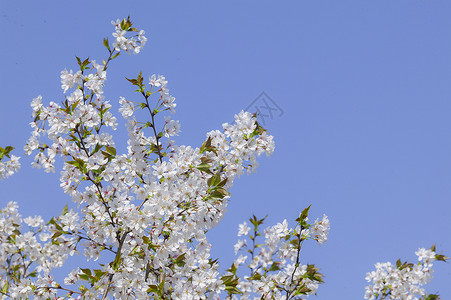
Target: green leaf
<point>206,144</point>
<point>232,269</point>
<point>303,216</point>
<point>304,213</point>
<point>107,155</point>
<point>57,234</point>
<point>302,290</point>
<point>65,209</point>
<point>441,257</point>
<point>132,81</point>
<point>217,179</point>
<point>33,274</point>
<point>98,274</point>
<point>57,226</point>
<point>161,286</point>
<point>313,274</point>
<point>180,260</point>
<point>106,44</point>
<point>117,262</point>
<point>214,180</point>
<point>84,276</point>
<point>219,193</point>
<point>139,79</point>
<point>111,150</point>
<point>223,182</point>
<point>126,24</point>
<point>258,129</point>
<point>73,163</point>
<point>152,289</point>
<point>432,248</point>
<point>148,124</point>
<point>87,272</point>
<point>97,148</point>
<point>5,152</point>
<point>233,290</point>
<point>146,240</point>
<point>206,160</point>
<point>9,149</point>
<point>227,279</point>
<point>231,281</point>
<point>85,63</point>
<point>256,276</point>
<point>274,267</point>
<point>204,167</point>
<point>5,288</point>
<point>256,222</point>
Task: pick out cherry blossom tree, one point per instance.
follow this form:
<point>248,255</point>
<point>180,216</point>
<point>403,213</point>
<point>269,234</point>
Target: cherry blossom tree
<point>142,216</point>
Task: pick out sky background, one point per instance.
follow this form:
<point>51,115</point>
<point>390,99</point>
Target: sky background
<point>363,131</point>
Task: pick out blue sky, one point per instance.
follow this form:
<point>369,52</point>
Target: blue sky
<point>364,86</point>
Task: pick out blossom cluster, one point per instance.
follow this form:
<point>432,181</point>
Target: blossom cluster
<point>275,267</point>
<point>403,280</point>
<point>132,44</point>
<point>30,249</point>
<point>9,167</point>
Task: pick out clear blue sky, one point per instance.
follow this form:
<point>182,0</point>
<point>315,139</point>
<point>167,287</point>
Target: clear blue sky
<point>365,89</point>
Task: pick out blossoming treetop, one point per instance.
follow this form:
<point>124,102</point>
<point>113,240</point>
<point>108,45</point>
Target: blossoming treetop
<point>144,215</point>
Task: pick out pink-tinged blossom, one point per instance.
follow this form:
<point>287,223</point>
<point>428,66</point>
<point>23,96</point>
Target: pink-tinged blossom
<point>320,230</point>
<point>159,81</point>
